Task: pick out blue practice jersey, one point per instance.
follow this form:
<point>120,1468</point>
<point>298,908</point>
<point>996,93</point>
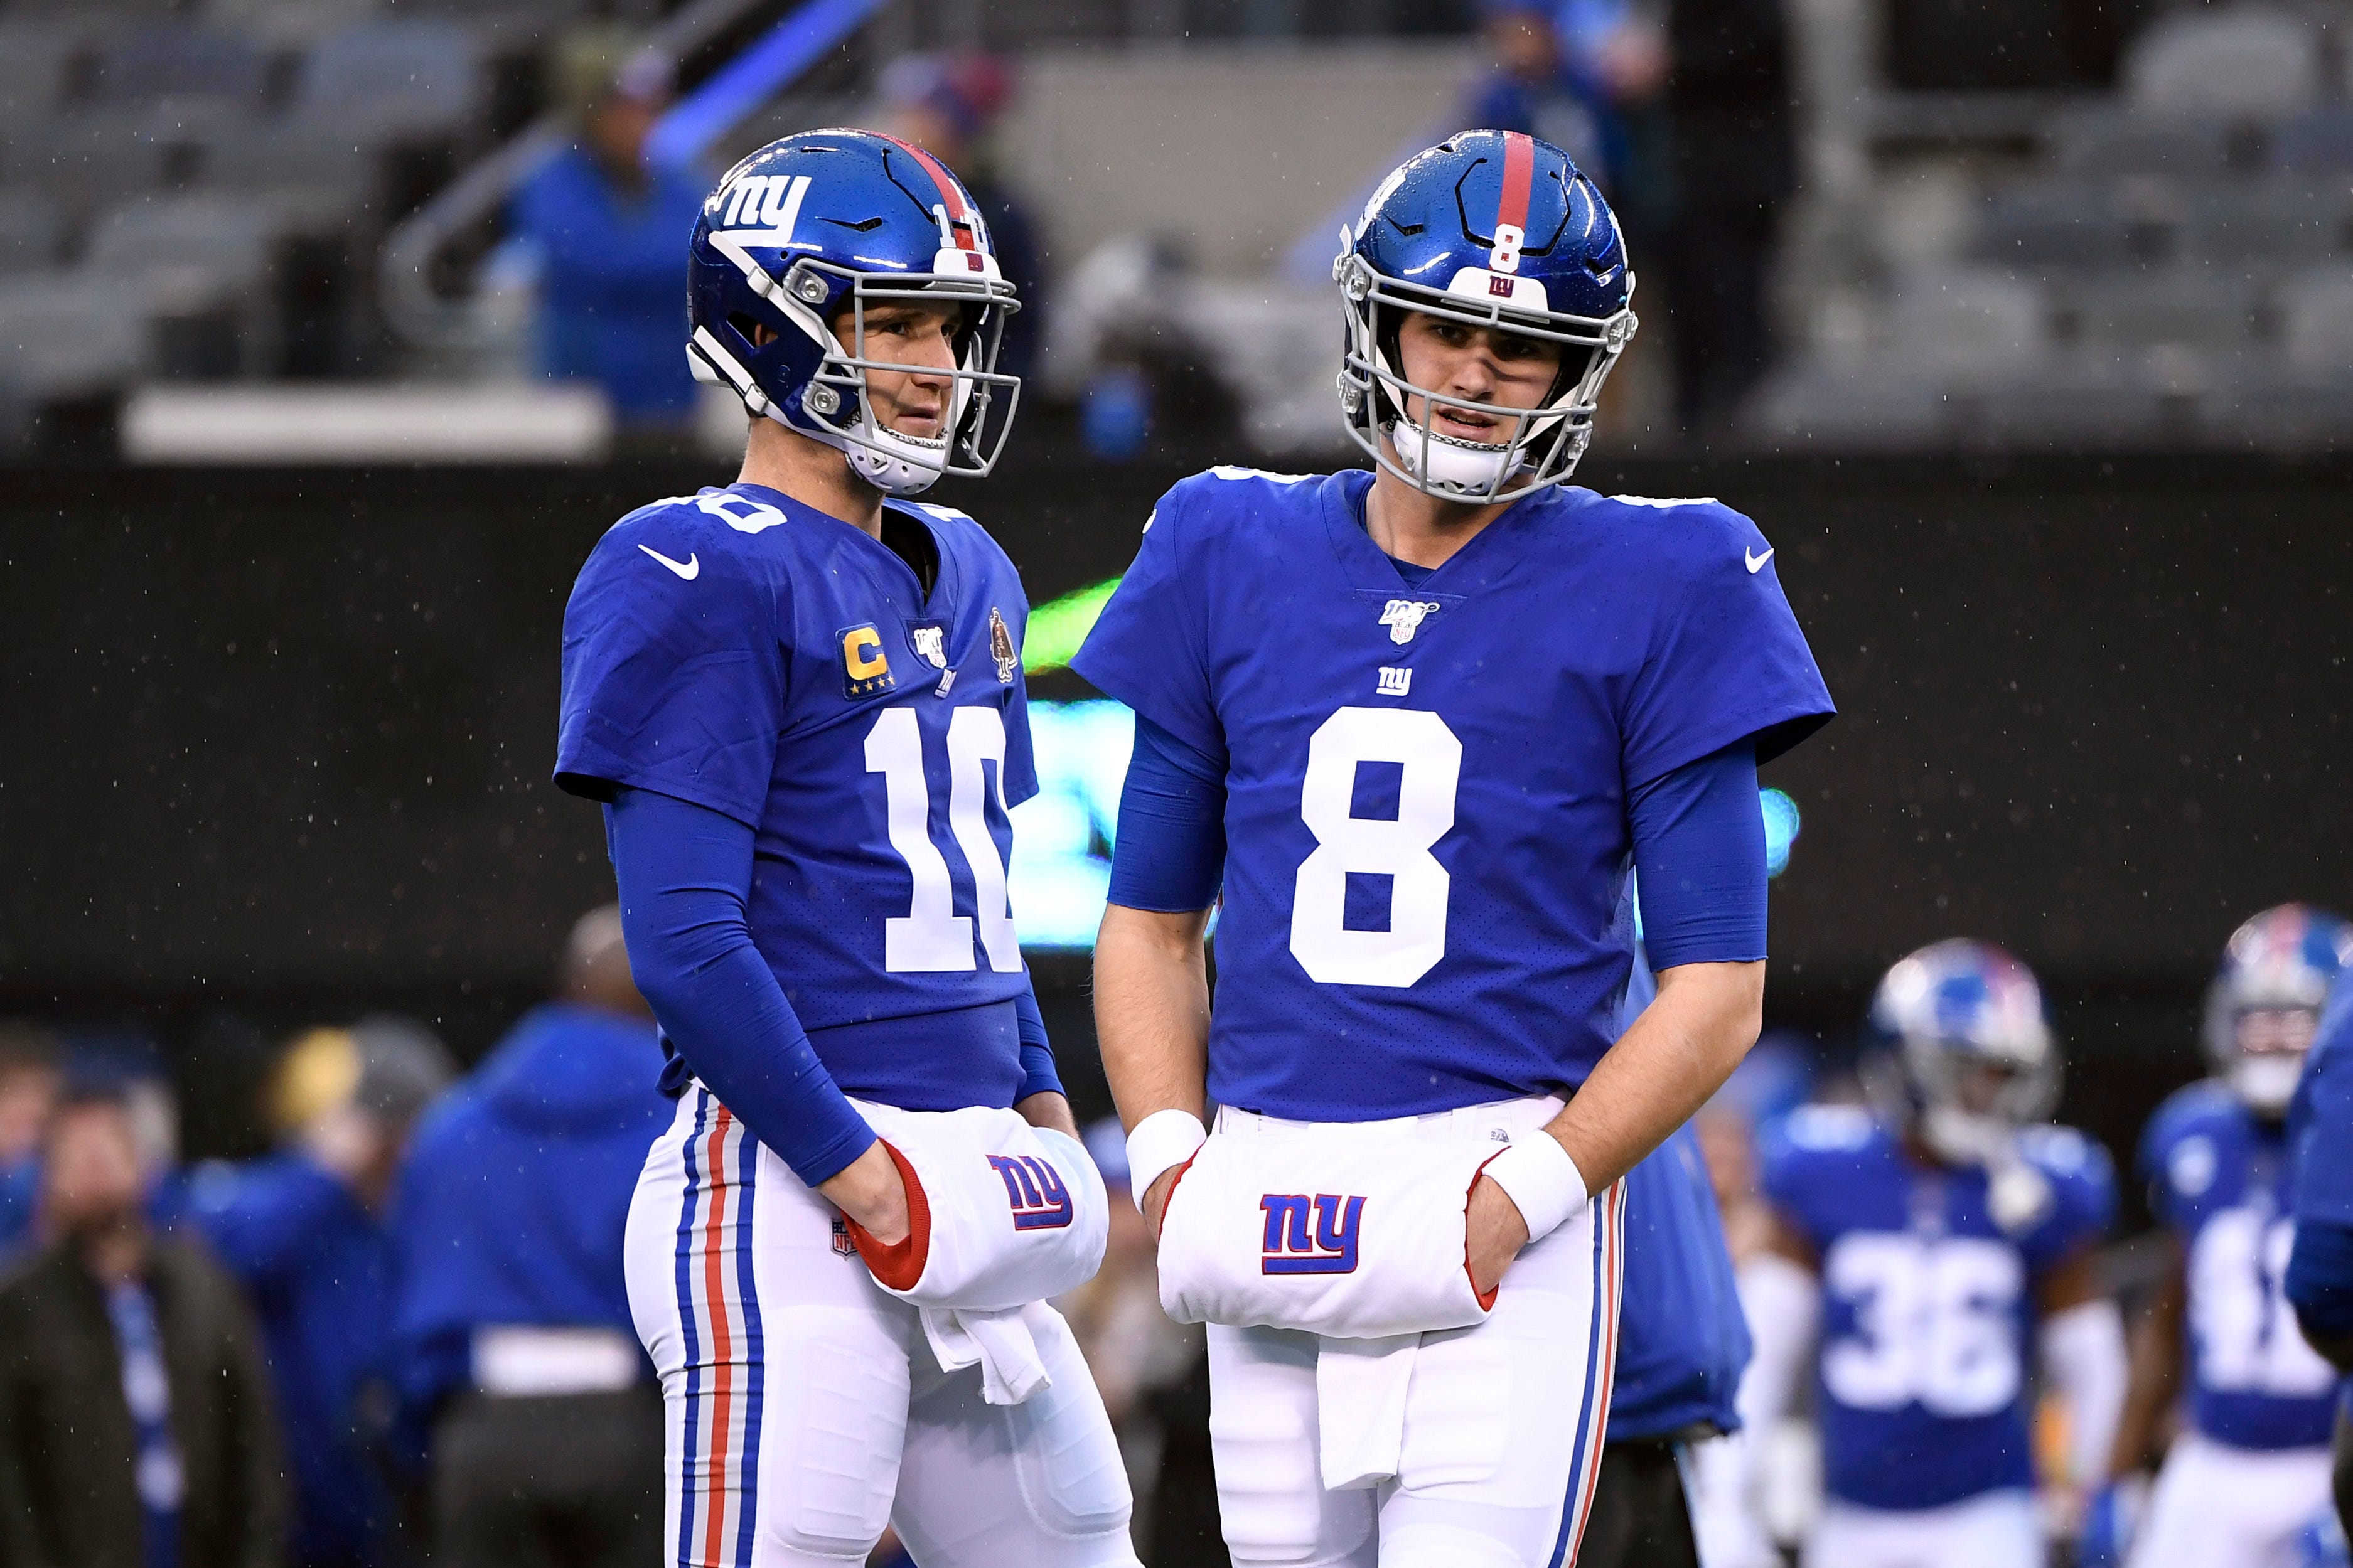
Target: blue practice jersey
<point>747,653</point>
<point>1426,795</point>
<point>1927,1303</point>
<point>2219,1177</point>
<point>2320,1124</point>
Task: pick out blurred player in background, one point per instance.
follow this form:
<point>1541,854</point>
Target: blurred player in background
<point>516,1364</point>
<point>305,1230</point>
<point>2320,1269</point>
<point>2251,1465</point>
<point>1413,726</point>
<point>800,701</point>
<point>1922,1251</point>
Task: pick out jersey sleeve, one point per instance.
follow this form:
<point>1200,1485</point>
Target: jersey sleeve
<point>1726,660</point>
<point>1150,647</point>
<point>671,684</point>
<point>1804,1160</point>
<point>1019,778</point>
<point>2083,1196</point>
<point>2320,1121</point>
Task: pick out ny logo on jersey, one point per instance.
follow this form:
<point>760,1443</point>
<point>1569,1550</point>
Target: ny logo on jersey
<point>1291,1247</point>
<point>1393,681</point>
<point>1035,1190</point>
<point>1404,618</point>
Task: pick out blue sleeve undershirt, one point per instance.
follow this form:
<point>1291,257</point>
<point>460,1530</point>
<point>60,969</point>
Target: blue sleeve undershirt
<point>1699,846</point>
<point>685,877</point>
<point>2319,1283</point>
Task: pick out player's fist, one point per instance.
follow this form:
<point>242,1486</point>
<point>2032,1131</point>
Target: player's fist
<point>1493,1234</point>
<point>869,1191</point>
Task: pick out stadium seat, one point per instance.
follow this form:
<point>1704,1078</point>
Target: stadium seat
<point>1835,406</point>
<point>2315,318</point>
<point>324,179</point>
<point>2067,223</point>
<point>2278,225</point>
<point>2178,307</point>
<point>64,337</point>
<point>2313,144</point>
<point>32,230</point>
<point>227,237</point>
<point>87,161</point>
<point>37,57</point>
<point>2245,60</point>
<point>1973,324</point>
<point>2108,141</point>
<point>289,22</point>
<point>177,62</point>
<point>394,79</point>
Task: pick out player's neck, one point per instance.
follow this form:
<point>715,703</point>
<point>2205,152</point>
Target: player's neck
<point>812,473</point>
<point>1413,525</point>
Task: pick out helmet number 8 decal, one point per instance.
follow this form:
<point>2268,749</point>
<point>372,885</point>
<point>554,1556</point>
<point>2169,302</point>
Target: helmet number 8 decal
<point>1430,759</point>
<point>1505,255</point>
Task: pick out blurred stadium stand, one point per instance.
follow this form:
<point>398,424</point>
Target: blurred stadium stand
<point>2038,225</point>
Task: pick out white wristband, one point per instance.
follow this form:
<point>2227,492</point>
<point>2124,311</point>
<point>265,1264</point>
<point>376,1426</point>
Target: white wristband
<point>1537,1174</point>
<point>1161,1141</point>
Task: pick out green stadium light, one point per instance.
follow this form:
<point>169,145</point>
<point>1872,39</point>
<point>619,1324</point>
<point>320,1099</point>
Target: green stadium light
<point>1059,626</point>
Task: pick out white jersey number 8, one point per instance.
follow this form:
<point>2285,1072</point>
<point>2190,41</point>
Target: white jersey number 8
<point>1430,759</point>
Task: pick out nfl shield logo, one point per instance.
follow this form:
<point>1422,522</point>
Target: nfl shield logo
<point>842,1246</point>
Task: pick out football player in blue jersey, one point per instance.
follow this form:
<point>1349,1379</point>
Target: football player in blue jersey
<point>1410,729</point>
<point>799,700</point>
<point>1921,1251</point>
<point>2320,1269</point>
<point>2250,1465</point>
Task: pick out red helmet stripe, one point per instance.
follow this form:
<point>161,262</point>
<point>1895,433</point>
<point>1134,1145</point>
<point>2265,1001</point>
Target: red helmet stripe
<point>1519,173</point>
<point>951,192</point>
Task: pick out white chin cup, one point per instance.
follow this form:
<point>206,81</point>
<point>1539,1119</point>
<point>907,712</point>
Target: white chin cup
<point>1473,467</point>
<point>2266,1082</point>
<point>1966,1139</point>
<point>897,463</point>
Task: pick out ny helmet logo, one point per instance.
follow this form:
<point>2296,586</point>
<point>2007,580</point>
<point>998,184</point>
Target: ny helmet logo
<point>1404,618</point>
<point>1291,1247</point>
<point>1035,1190</point>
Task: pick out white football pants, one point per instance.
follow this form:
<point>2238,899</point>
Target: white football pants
<point>1502,1421</point>
<point>1997,1530</point>
<point>805,1407</point>
<point>2219,1507</point>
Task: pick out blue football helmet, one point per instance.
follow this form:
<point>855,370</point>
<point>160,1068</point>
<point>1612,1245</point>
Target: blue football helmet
<point>1491,228</point>
<point>2264,1004</point>
<point>1966,1025</point>
<point>824,224</point>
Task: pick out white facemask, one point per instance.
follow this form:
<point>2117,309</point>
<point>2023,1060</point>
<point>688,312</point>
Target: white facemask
<point>907,464</point>
<point>2266,1083</point>
<point>1473,467</point>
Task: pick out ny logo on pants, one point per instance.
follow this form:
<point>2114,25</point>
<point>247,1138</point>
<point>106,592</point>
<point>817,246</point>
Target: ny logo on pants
<point>1035,1189</point>
<point>1290,1248</point>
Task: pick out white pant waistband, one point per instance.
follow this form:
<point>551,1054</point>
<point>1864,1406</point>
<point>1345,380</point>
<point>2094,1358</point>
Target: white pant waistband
<point>1510,1117</point>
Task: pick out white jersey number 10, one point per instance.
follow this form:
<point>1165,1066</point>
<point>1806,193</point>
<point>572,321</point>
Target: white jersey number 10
<point>930,936</point>
<point>1430,759</point>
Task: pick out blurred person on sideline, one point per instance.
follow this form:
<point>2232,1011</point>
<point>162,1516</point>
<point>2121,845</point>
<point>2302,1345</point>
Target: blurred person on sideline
<point>136,1429</point>
<point>2250,1464</point>
<point>29,1088</point>
<point>947,105</point>
<point>512,1339</point>
<point>1918,1254</point>
<point>2320,1266</point>
<point>1730,99</point>
<point>1134,1349</point>
<point>601,227</point>
<point>1535,88</point>
<point>305,1229</point>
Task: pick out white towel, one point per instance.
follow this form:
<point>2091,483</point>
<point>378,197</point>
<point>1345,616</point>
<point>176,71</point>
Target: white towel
<point>1360,1387</point>
<point>1353,1231</point>
<point>1009,1213</point>
<point>1001,1342</point>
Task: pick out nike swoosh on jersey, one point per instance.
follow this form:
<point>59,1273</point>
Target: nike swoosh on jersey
<point>688,568</point>
<point>1756,562</point>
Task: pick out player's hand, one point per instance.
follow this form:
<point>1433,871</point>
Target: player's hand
<point>1495,1233</point>
<point>869,1191</point>
<point>1155,1199</point>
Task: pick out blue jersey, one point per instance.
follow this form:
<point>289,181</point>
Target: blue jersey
<point>2219,1176</point>
<point>1927,1303</point>
<point>2320,1118</point>
<point>747,653</point>
<point>1426,790</point>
